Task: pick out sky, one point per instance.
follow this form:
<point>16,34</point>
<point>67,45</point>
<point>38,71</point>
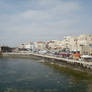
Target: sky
<point>33,20</point>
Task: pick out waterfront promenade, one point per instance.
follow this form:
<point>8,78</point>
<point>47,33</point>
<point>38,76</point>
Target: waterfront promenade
<point>75,63</point>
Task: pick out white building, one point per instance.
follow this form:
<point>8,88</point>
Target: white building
<point>28,46</point>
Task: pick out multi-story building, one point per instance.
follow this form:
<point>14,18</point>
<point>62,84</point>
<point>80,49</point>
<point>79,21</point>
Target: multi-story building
<point>85,43</point>
<point>54,45</point>
<point>82,43</point>
<point>41,45</point>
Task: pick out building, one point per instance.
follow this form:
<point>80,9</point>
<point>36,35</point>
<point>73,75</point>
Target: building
<point>5,49</point>
<point>85,44</point>
<point>82,43</point>
<point>26,46</point>
<point>41,45</point>
<point>54,45</point>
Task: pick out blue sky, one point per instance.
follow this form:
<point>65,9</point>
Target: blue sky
<point>26,20</point>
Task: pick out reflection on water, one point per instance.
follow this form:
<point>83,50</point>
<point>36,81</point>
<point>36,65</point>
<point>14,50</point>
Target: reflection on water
<point>26,75</point>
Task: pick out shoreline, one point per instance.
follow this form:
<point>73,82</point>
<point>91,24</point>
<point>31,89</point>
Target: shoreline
<point>62,62</point>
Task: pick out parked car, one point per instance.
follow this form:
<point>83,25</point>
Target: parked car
<point>42,52</point>
<point>64,54</point>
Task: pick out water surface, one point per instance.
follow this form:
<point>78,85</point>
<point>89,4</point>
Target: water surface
<point>28,75</point>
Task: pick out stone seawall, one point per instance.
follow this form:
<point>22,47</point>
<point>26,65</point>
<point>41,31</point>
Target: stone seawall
<point>64,62</point>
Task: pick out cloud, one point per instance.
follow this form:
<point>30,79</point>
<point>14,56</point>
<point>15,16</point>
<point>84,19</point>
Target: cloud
<point>41,20</point>
<point>35,15</point>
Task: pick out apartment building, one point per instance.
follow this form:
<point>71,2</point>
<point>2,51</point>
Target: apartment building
<point>82,43</point>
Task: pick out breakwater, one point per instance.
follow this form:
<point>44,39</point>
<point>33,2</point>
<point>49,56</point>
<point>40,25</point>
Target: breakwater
<point>63,62</point>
